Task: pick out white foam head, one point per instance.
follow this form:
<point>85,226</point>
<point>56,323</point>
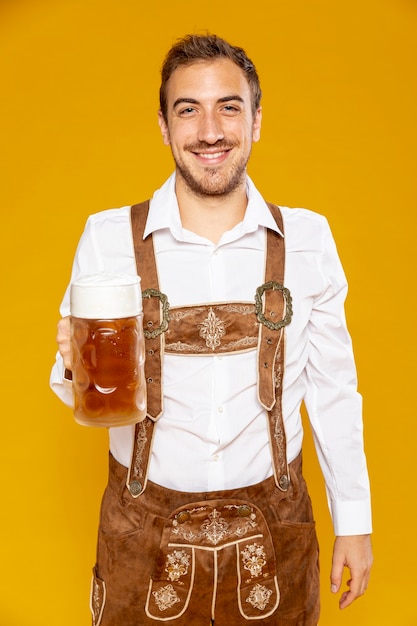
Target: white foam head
<point>106,296</point>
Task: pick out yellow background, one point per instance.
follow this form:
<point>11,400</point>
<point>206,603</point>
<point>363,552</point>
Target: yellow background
<point>78,133</point>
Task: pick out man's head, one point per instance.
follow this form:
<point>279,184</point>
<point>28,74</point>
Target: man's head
<point>210,114</point>
<point>194,48</point>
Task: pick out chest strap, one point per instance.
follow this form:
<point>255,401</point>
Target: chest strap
<point>209,329</point>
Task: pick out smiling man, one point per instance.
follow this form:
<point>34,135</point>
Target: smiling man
<point>207,518</point>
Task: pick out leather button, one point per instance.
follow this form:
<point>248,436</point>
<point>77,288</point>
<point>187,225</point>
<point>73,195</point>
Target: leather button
<point>135,487</point>
<point>182,517</point>
<point>284,482</point>
<point>244,510</point>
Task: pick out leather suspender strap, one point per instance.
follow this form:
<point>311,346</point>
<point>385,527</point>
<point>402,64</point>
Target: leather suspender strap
<point>277,313</point>
<point>273,310</point>
<point>152,310</point>
<point>152,319</point>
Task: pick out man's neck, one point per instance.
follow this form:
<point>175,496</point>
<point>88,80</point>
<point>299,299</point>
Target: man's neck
<point>210,216</point>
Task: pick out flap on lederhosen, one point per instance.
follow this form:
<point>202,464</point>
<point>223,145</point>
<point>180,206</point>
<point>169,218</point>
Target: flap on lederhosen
<point>191,539</point>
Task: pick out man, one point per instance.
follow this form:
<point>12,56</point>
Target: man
<point>209,520</point>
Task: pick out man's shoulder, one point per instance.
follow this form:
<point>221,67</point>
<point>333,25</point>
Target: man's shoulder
<point>118,214</point>
<point>301,215</point>
<point>304,228</point>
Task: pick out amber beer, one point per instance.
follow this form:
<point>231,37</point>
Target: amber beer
<point>107,349</point>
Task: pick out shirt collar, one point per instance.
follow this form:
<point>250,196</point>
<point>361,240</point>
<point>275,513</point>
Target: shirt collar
<point>164,212</point>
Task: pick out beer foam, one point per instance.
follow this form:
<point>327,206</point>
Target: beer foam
<point>106,296</point>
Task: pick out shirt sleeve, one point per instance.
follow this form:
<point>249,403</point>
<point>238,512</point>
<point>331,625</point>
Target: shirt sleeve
<point>333,403</point>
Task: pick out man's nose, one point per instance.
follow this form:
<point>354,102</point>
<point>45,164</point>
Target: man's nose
<point>210,129</point>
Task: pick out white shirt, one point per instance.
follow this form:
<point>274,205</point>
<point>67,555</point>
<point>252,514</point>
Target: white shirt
<point>213,431</point>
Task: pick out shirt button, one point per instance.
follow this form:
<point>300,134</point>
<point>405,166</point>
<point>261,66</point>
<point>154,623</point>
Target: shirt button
<point>216,457</point>
<point>220,409</point>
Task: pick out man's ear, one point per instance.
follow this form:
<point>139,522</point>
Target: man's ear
<point>257,122</point>
<point>164,128</point>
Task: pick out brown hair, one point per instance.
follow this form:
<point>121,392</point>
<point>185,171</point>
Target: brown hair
<point>193,48</point>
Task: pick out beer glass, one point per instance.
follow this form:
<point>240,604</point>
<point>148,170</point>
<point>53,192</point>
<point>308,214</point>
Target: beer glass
<point>107,350</point>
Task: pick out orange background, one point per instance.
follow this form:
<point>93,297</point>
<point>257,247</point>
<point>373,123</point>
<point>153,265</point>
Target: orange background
<point>78,131</point>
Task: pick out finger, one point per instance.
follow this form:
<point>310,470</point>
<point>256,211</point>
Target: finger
<point>336,575</point>
<point>349,596</point>
<point>63,341</point>
<point>357,587</point>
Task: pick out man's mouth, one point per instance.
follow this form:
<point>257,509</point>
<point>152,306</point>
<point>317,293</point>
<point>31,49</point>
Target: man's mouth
<point>211,155</point>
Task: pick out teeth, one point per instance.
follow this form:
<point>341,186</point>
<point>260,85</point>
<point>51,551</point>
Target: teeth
<point>211,155</point>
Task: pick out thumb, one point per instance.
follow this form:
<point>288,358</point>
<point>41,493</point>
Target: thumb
<point>336,574</point>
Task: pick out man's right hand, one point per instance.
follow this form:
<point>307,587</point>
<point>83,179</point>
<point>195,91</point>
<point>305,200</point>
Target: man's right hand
<point>63,341</point>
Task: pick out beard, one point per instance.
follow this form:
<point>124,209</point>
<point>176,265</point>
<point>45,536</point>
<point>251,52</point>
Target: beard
<point>215,181</point>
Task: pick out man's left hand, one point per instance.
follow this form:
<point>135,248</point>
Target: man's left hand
<point>355,553</point>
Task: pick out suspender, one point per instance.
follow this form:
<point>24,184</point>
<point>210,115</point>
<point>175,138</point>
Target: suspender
<point>269,315</point>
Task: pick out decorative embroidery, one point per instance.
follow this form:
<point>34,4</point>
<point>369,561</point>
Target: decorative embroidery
<point>189,348</point>
<point>244,344</point>
<point>253,557</point>
<point>96,601</point>
<point>276,417</point>
<point>212,330</point>
<point>165,597</point>
<point>140,447</point>
<point>243,309</point>
<point>177,565</point>
<point>240,344</point>
<point>215,528</point>
<point>259,597</point>
<point>177,315</point>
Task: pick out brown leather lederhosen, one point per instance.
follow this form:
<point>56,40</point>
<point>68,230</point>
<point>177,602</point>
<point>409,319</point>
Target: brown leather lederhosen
<point>188,558</point>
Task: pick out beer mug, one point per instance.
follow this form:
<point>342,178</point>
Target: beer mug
<point>107,350</point>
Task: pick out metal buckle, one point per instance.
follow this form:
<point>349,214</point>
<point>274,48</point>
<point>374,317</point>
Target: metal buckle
<point>154,293</point>
<point>272,284</point>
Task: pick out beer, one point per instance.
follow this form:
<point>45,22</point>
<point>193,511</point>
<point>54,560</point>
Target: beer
<point>108,352</point>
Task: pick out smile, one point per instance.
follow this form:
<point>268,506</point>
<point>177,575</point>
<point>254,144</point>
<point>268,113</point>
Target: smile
<point>214,158</point>
<point>211,155</point>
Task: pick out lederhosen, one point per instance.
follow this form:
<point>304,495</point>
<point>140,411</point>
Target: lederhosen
<point>231,556</point>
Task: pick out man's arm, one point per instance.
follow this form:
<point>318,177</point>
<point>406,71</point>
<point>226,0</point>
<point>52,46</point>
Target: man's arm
<point>355,553</point>
<point>335,411</point>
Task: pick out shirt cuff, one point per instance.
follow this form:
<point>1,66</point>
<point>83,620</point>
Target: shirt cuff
<point>352,518</point>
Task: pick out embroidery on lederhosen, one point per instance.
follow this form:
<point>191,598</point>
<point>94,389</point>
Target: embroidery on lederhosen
<point>254,596</point>
<point>200,531</point>
<point>212,328</point>
<point>97,598</point>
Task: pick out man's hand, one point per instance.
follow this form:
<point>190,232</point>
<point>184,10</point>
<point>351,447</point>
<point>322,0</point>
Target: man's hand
<point>355,553</point>
<point>63,341</point>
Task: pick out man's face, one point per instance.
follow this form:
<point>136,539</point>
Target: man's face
<point>210,126</point>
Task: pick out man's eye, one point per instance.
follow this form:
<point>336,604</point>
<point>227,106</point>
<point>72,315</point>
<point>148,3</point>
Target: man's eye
<point>230,108</point>
<point>187,111</point>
